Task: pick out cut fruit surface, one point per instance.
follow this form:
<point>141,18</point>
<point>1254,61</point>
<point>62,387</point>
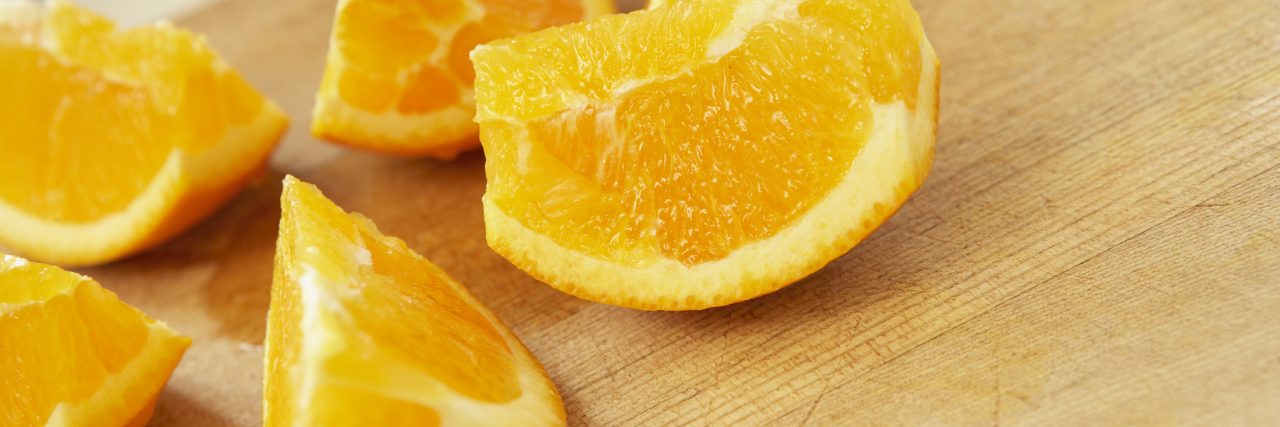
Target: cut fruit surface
<point>115,141</point>
<point>73,354</point>
<point>398,78</point>
<point>363,331</point>
<point>703,152</point>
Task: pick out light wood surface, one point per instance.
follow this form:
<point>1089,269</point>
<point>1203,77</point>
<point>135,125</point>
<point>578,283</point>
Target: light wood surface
<point>1099,244</point>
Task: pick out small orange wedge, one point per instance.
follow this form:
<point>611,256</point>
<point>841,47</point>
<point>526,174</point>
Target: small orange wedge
<point>363,331</point>
<point>398,79</point>
<point>115,141</point>
<point>72,354</point>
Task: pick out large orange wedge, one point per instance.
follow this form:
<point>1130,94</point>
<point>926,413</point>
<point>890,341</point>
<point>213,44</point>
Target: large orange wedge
<point>365,332</point>
<point>72,354</point>
<point>115,141</point>
<point>703,152</point>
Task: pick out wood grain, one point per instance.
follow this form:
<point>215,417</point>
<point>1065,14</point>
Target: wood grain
<point>1099,243</point>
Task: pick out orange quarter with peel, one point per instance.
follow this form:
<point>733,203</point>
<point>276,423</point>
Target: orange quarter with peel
<point>73,354</point>
<point>703,152</point>
<point>363,331</point>
<point>115,141</point>
<point>398,78</point>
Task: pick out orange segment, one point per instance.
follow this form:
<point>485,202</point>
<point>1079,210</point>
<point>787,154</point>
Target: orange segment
<point>366,91</point>
<point>384,36</point>
<point>429,89</point>
<point>73,132</point>
<point>362,328</point>
<point>479,363</point>
<point>74,354</point>
<point>892,62</point>
<point>653,159</point>
<point>385,87</point>
<point>117,140</point>
<point>758,187</point>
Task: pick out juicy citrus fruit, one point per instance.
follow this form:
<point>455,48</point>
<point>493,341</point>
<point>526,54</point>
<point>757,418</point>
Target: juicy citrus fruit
<point>71,353</point>
<point>398,79</point>
<point>363,331</point>
<point>704,152</point>
<point>116,140</point>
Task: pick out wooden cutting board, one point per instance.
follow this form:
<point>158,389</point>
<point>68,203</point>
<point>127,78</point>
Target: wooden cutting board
<point>1099,243</point>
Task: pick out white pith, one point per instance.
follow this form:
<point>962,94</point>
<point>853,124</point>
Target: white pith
<point>745,18</point>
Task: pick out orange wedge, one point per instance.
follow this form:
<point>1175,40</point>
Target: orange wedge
<point>398,79</point>
<point>704,152</point>
<point>72,354</point>
<point>363,331</point>
<point>115,141</point>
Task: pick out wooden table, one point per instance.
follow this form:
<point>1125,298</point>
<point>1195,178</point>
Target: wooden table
<point>1099,243</point>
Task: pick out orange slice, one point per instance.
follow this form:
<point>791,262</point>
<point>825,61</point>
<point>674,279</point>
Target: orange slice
<point>73,354</point>
<point>704,152</point>
<point>115,141</point>
<point>398,79</point>
<point>363,331</point>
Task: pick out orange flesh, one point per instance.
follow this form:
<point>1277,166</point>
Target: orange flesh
<point>428,90</point>
<point>284,338</point>
<point>372,409</point>
<point>635,147</point>
<point>398,306</point>
<point>387,42</point>
<point>367,92</point>
<point>130,97</point>
<point>61,336</point>
<point>414,293</point>
<point>383,37</point>
<point>520,14</point>
<point>71,131</point>
<point>469,36</point>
